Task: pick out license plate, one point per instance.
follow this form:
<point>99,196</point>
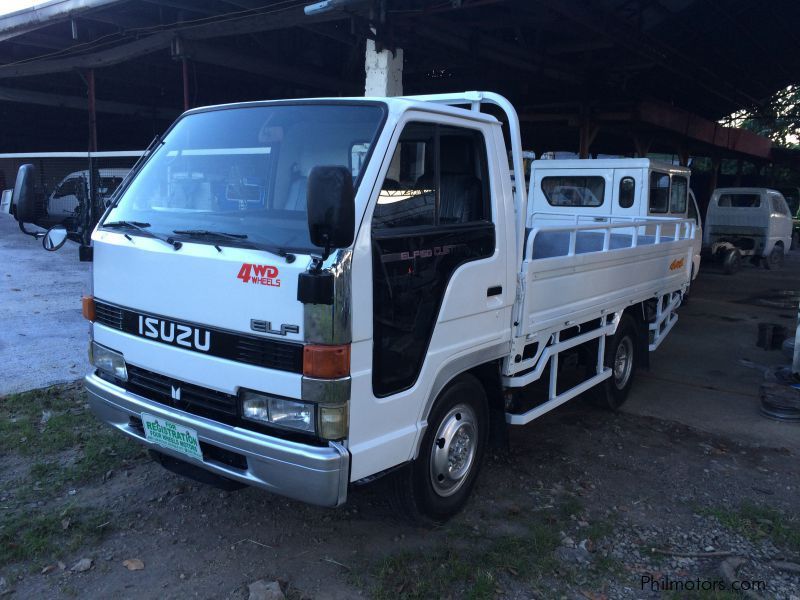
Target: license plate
<point>171,436</point>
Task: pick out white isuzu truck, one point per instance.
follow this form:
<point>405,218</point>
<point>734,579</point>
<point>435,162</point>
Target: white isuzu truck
<point>306,295</point>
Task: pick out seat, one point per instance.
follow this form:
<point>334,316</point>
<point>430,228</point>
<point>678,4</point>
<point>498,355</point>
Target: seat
<point>296,198</point>
<point>459,188</point>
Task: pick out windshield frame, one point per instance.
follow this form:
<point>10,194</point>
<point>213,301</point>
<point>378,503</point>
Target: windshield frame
<point>159,141</point>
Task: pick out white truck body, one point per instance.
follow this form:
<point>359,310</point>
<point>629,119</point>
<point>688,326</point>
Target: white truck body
<point>756,221</point>
<point>197,336</point>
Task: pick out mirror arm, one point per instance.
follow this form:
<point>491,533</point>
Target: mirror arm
<point>34,234</point>
<point>317,261</point>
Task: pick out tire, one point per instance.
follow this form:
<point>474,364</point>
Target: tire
<point>436,485</point>
<point>795,241</point>
<point>731,261</point>
<point>621,356</point>
<point>685,299</point>
<point>775,258</point>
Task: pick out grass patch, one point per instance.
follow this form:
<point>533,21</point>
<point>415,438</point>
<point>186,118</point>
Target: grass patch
<point>68,444</point>
<point>758,522</point>
<point>25,536</point>
<point>468,568</point>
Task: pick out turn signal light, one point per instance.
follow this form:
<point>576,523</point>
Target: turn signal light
<point>87,307</point>
<point>326,362</point>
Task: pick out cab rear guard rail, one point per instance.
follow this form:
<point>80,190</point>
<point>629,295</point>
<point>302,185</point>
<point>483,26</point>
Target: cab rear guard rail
<point>683,229</point>
<point>550,355</point>
<point>665,320</point>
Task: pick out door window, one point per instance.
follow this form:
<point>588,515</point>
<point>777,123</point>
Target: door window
<point>574,190</point>
<point>627,192</point>
<point>692,214</point>
<point>438,176</point>
<point>659,192</point>
<point>677,196</point>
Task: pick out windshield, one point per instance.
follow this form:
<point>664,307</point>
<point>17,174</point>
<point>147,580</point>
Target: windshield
<point>244,171</point>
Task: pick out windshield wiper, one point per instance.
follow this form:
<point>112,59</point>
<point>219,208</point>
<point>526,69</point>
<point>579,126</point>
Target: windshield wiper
<point>140,226</point>
<point>206,233</point>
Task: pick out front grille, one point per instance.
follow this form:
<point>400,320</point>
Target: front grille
<point>249,349</point>
<point>193,398</point>
<point>108,315</point>
<point>200,401</point>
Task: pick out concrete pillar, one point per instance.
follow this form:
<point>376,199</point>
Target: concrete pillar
<point>384,71</point>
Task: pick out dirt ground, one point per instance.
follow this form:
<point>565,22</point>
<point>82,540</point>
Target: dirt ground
<point>585,505</point>
<point>685,494</point>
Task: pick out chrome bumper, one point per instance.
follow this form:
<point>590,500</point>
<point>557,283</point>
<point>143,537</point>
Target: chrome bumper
<point>317,475</point>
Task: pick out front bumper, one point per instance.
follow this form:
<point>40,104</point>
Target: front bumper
<point>317,475</point>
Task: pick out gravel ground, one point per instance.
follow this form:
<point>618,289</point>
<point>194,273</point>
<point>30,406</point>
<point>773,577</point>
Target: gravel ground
<point>43,338</point>
<point>585,504</point>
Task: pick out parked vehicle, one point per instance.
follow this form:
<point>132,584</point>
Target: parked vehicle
<point>5,201</point>
<point>601,190</point>
<point>64,201</point>
<point>355,319</point>
<point>792,197</point>
<point>748,222</point>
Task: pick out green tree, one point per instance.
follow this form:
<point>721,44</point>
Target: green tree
<point>778,119</point>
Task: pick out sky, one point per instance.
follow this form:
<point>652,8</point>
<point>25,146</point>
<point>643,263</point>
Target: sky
<point>7,6</point>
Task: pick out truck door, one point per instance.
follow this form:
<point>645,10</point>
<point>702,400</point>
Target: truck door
<point>626,196</point>
<point>433,216</point>
<point>439,281</point>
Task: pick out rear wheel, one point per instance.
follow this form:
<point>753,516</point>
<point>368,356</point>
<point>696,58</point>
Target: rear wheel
<point>620,357</point>
<point>775,258</point>
<point>731,261</point>
<point>436,485</point>
<point>795,241</point>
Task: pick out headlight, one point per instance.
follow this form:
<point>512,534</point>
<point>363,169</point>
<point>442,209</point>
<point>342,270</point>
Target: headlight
<point>278,411</point>
<point>108,361</point>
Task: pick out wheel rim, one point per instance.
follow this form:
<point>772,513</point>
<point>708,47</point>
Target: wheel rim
<point>623,362</point>
<point>453,451</point>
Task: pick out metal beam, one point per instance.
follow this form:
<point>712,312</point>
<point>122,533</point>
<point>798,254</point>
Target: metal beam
<point>79,103</point>
<point>490,49</point>
<point>670,59</point>
<point>296,74</point>
<point>36,17</point>
<point>208,28</point>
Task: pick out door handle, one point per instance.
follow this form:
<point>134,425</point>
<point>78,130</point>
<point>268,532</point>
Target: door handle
<point>494,291</point>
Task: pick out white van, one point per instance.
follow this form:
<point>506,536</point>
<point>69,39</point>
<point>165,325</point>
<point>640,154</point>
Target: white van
<point>612,189</point>
<point>63,201</point>
<point>753,222</point>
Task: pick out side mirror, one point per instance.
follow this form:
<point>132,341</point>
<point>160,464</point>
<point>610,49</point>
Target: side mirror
<point>24,194</point>
<point>331,208</point>
<point>55,237</point>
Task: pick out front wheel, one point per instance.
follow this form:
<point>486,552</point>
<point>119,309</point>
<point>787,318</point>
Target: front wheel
<point>436,485</point>
<point>620,357</point>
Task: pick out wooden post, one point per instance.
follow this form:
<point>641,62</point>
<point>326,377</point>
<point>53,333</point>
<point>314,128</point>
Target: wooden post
<point>185,71</point>
<point>92,110</point>
<point>712,181</point>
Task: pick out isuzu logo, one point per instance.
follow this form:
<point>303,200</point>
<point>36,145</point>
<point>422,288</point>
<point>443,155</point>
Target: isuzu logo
<point>175,333</point>
<point>175,392</point>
